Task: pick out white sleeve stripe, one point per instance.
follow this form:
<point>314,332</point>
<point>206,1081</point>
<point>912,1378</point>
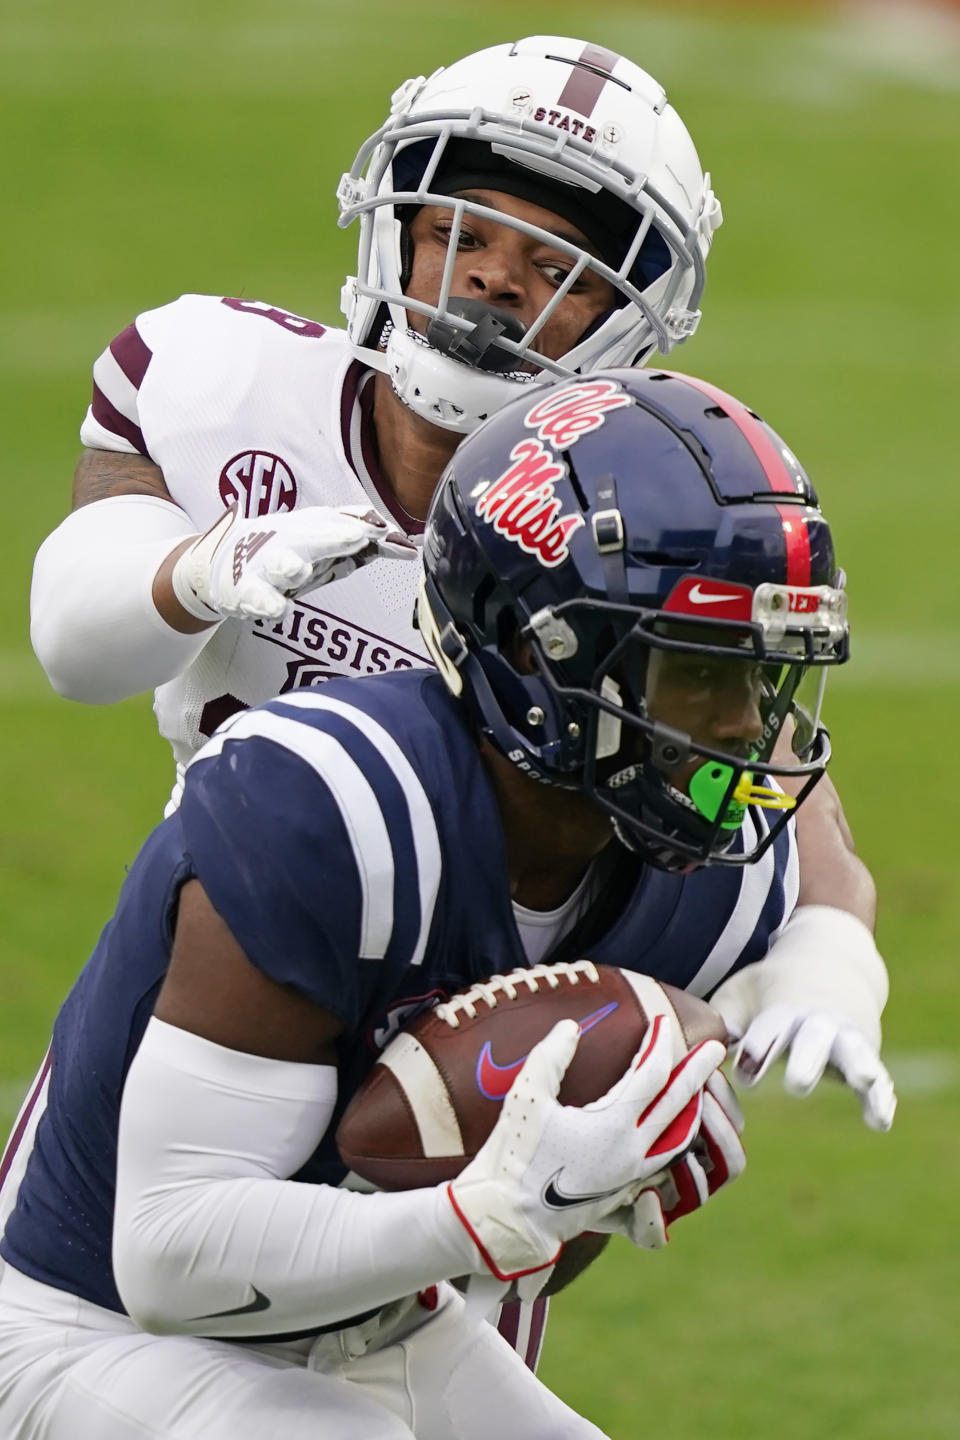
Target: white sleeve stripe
<point>116,387</point>
<point>359,809</point>
<point>755,882</point>
<point>97,437</point>
<point>426,841</point>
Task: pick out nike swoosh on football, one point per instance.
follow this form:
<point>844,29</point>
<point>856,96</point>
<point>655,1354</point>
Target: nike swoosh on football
<point>259,1302</point>
<point>494,1080</point>
<point>558,1200</point>
<point>702,597</point>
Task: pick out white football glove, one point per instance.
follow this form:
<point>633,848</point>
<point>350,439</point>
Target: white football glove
<point>642,1222</point>
<point>549,1171</point>
<point>249,568</point>
<point>715,1158</point>
<point>818,994</point>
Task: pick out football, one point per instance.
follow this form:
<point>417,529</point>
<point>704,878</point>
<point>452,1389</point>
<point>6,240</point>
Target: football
<point>435,1092</point>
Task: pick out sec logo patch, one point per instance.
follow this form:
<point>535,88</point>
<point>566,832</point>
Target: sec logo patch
<point>260,483</point>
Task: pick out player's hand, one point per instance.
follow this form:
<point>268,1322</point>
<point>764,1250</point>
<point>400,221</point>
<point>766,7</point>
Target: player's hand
<point>715,1158</point>
<point>641,1221</point>
<point>817,996</point>
<point>250,568</point>
<point>548,1171</point>
<point>815,1040</point>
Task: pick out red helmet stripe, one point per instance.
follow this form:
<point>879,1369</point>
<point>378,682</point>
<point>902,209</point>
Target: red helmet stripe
<point>584,87</point>
<point>797,540</point>
<point>795,535</point>
<point>750,428</point>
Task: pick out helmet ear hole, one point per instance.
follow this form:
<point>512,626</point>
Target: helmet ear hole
<point>518,651</point>
<point>405,214</point>
<point>481,595</point>
<point>525,660</point>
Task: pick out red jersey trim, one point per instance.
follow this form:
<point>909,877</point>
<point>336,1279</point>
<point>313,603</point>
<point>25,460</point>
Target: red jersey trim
<point>358,392</point>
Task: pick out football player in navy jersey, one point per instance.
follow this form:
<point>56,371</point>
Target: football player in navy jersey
<point>537,206</point>
<point>534,209</point>
<point>631,598</point>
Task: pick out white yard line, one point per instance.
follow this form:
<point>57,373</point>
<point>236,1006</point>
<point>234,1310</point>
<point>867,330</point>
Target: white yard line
<point>916,1074</point>
<point>810,61</point>
<point>924,1072</point>
<point>857,326</point>
<point>917,41</point>
<point>12,1094</point>
<point>914,661</point>
<point>22,679</point>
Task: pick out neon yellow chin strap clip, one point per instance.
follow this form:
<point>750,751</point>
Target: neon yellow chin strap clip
<point>709,785</point>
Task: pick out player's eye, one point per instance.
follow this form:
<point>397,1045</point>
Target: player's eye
<point>555,272</point>
<point>693,672</point>
<point>466,240</point>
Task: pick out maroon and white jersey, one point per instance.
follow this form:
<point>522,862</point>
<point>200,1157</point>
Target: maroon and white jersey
<point>237,400</point>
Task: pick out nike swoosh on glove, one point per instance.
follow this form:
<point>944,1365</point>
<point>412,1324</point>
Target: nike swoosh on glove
<point>548,1171</point>
<point>250,568</point>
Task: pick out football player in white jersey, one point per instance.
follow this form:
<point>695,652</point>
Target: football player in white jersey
<point>577,238</point>
<point>589,772</point>
<point>534,209</point>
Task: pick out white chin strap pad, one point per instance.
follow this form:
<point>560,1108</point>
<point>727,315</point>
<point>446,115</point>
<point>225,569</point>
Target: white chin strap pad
<point>444,391</point>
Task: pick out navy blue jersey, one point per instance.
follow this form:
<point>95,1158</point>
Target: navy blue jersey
<point>350,839</point>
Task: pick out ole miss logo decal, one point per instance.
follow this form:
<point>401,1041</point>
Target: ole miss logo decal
<point>566,414</point>
<point>522,506</point>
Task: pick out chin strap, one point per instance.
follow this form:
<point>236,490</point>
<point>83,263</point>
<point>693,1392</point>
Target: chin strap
<point>442,390</point>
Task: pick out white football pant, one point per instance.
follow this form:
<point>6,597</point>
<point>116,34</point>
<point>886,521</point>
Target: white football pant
<point>70,1370</point>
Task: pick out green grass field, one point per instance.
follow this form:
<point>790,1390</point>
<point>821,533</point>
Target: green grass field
<point>196,147</point>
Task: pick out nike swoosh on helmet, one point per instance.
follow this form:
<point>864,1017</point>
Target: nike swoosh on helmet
<point>700,596</point>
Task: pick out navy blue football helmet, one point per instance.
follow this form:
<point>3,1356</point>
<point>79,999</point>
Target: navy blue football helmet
<point>630,582</point>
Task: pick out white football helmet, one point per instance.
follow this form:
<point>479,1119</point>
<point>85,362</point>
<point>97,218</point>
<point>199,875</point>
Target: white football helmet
<point>574,128</point>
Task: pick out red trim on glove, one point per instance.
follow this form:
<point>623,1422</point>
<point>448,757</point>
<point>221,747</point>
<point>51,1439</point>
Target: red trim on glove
<point>512,1275</point>
<point>649,1040</point>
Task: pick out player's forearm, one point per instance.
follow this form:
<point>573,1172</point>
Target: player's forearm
<point>831,873</point>
<point>165,598</point>
<point>205,1224</point>
<point>825,957</point>
<point>102,624</point>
